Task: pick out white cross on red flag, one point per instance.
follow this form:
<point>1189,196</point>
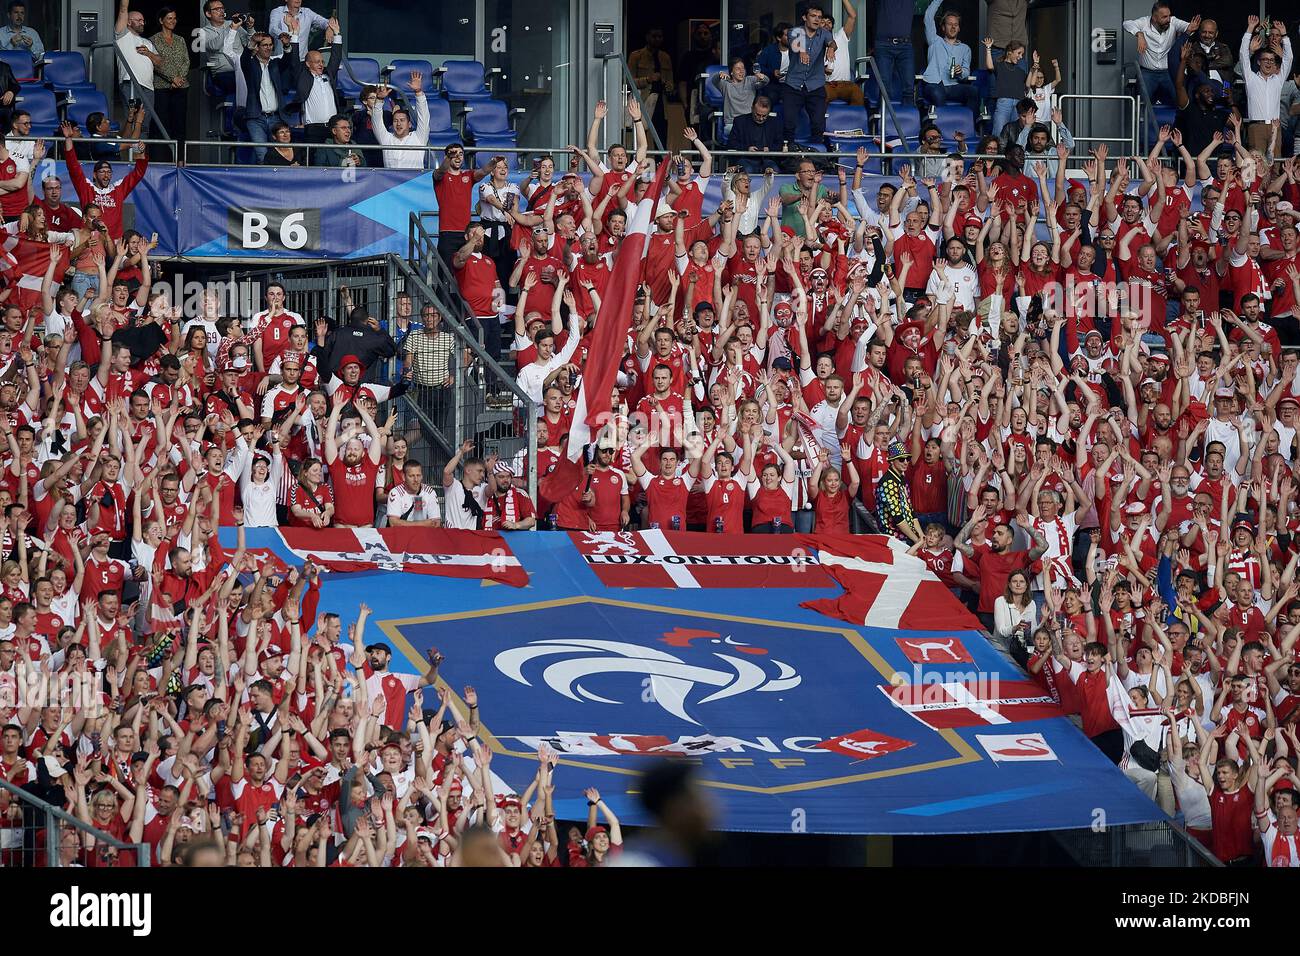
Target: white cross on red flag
<point>884,586</point>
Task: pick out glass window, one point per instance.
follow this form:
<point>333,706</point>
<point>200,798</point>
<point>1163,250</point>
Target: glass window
<point>397,27</point>
<point>528,41</point>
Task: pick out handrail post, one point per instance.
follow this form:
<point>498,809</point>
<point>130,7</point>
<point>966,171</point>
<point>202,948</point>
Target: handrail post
<point>886,106</point>
<point>52,839</point>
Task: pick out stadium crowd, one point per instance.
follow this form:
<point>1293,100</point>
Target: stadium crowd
<point>1074,398</point>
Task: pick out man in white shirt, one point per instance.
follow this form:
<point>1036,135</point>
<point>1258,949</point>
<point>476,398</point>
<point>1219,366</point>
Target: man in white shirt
<point>402,134</point>
<point>953,279</point>
<point>1156,36</point>
<point>297,21</point>
<point>413,502</point>
<point>537,374</point>
<point>141,57</point>
<point>316,86</point>
<point>839,72</point>
<point>465,497</point>
<point>1264,85</point>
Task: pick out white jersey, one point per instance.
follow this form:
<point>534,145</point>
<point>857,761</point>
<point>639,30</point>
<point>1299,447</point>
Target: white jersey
<point>419,506</point>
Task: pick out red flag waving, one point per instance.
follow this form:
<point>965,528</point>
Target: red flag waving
<point>884,586</point>
<point>613,323</point>
<point>442,551</point>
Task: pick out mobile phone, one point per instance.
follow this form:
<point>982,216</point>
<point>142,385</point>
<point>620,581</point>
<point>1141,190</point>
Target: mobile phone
<point>537,165</point>
<point>681,168</point>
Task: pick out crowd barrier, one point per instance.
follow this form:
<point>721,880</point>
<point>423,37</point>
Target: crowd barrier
<point>248,212</point>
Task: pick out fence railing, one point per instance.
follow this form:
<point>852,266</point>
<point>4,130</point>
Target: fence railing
<point>629,88</point>
<point>40,836</point>
<point>457,391</point>
<point>1072,106</point>
<point>1144,844</point>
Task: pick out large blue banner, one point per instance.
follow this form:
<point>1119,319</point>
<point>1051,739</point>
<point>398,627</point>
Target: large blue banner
<point>261,212</point>
<point>797,722</point>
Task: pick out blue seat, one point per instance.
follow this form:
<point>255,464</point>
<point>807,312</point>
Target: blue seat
<point>364,72</point>
<point>843,118</point>
<point>399,75</point>
<point>463,81</point>
<point>488,121</point>
<point>21,63</point>
<point>908,128</point>
<point>710,93</point>
<point>441,132</point>
<point>64,70</point>
<point>40,102</point>
<point>954,119</point>
<point>803,134</point>
<point>82,104</point>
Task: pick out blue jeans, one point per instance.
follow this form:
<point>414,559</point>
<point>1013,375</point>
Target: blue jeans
<point>1160,86</point>
<point>897,68</point>
<point>965,94</point>
<point>81,281</point>
<point>259,131</point>
<point>1004,111</point>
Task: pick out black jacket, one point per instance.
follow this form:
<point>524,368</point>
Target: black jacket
<point>251,68</point>
<point>362,341</point>
<point>746,133</point>
<point>8,85</point>
<point>302,79</point>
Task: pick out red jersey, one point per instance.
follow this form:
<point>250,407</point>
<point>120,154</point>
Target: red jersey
<point>726,500</point>
<point>666,500</point>
<point>454,192</point>
<point>354,491</point>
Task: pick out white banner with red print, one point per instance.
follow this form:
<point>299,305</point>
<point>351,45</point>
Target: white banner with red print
<point>442,551</point>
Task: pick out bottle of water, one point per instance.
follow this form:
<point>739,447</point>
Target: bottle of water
<point>654,525</point>
<point>677,522</point>
<point>718,524</point>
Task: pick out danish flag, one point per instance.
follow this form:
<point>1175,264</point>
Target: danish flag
<point>972,704</point>
<point>884,586</point>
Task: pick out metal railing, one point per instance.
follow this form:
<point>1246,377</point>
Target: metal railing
<point>481,402</point>
<point>1144,844</point>
<point>629,88</point>
<point>1091,101</point>
<point>126,67</point>
<point>886,103</point>
<point>42,830</point>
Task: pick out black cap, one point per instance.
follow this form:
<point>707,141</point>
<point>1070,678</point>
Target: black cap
<point>379,647</point>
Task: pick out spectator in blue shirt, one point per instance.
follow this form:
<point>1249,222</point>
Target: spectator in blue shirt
<point>16,35</point>
<point>949,63</point>
<point>804,88</point>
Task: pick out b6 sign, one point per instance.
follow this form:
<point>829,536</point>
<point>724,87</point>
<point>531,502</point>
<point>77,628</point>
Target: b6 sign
<point>273,230</point>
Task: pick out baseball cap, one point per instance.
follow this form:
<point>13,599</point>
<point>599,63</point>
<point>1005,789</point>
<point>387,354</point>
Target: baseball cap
<point>1136,508</point>
<point>379,647</point>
